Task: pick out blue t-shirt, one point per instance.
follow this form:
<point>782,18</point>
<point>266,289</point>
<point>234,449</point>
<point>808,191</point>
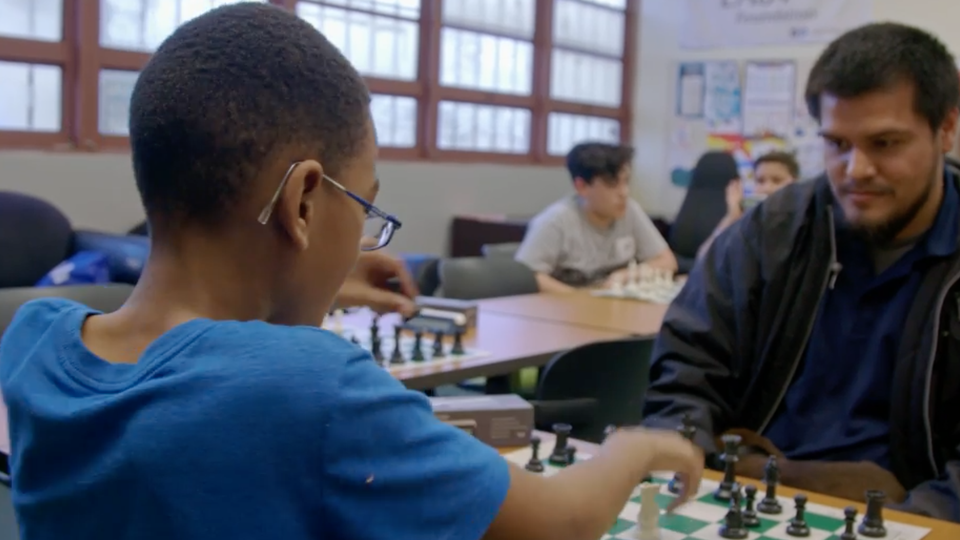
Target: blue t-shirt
<point>232,430</point>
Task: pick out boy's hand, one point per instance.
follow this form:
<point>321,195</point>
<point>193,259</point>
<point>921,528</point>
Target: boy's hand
<point>369,285</point>
<point>665,451</point>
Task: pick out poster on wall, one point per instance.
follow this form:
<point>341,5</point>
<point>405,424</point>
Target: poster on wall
<point>722,97</point>
<point>717,24</point>
<point>691,86</point>
<point>746,149</point>
<point>769,90</point>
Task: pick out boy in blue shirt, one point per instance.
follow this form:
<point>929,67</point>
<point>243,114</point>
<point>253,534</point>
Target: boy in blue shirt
<point>210,405</point>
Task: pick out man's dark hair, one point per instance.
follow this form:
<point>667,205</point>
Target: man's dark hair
<point>877,56</point>
<point>786,159</point>
<point>598,160</point>
<point>227,91</point>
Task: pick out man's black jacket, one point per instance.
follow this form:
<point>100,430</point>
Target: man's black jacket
<point>732,340</point>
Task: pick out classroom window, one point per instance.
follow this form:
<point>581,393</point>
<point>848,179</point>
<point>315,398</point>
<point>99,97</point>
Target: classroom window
<point>30,97</point>
<point>517,81</point>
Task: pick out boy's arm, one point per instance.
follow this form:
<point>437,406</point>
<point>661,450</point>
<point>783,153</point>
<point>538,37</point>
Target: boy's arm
<point>540,251</point>
<point>652,248</point>
<point>390,469</point>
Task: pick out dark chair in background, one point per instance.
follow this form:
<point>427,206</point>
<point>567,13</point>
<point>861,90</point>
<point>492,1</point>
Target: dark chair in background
<point>8,519</point>
<point>703,207</point>
<point>36,236</point>
<point>595,386</point>
<point>475,278</point>
<point>105,298</point>
<point>507,249</point>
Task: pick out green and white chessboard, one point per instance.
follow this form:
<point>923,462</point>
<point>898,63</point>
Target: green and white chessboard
<point>700,518</point>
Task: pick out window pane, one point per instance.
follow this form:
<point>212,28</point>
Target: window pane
<point>512,17</point>
<point>566,130</point>
<point>114,103</point>
<point>395,118</point>
<point>483,128</point>
<point>583,78</point>
<point>616,4</point>
<point>30,97</point>
<point>141,25</point>
<point>588,28</point>
<point>399,8</point>
<point>32,19</point>
<point>377,46</point>
<point>484,62</point>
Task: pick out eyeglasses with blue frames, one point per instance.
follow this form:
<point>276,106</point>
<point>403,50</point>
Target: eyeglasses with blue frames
<point>378,229</point>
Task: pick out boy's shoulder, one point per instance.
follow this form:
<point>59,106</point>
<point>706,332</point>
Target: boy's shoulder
<point>558,213</point>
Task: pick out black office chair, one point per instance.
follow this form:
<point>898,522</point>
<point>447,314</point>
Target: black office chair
<point>476,278</point>
<point>105,298</point>
<point>703,207</point>
<point>595,386</point>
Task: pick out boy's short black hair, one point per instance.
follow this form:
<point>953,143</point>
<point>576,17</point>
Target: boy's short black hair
<point>786,159</point>
<point>227,91</point>
<point>876,56</point>
<point>598,160</point>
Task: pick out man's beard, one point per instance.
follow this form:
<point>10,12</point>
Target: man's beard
<point>884,233</point>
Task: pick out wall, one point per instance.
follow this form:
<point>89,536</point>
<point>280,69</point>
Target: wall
<point>659,55</point>
<point>97,191</point>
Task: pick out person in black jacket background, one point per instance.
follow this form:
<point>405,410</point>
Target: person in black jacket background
<point>825,324</point>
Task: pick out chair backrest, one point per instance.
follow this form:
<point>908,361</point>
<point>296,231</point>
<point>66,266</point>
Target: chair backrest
<point>508,249</point>
<point>614,373</point>
<point>475,278</point>
<point>8,519</point>
<point>35,236</point>
<point>105,298</point>
<point>704,204</point>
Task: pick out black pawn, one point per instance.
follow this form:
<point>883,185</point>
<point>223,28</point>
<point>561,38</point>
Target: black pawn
<point>457,343</point>
<point>355,340</point>
<point>375,328</point>
<point>798,525</point>
<point>771,477</point>
<point>688,431</point>
<point>872,524</point>
<point>849,520</point>
<point>535,465</point>
<point>396,357</point>
<point>733,524</point>
<point>438,345</point>
<point>560,456</point>
<point>730,457</point>
<point>417,347</point>
<point>376,348</point>
<point>750,517</point>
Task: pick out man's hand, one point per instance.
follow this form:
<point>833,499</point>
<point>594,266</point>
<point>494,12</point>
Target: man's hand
<point>847,480</point>
<point>369,285</point>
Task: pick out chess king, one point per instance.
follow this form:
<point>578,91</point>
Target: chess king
<point>824,326</point>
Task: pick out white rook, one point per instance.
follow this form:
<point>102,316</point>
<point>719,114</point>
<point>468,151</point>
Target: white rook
<point>648,522</point>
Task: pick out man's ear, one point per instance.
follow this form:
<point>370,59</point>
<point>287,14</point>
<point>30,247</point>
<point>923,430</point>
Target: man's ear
<point>297,207</point>
<point>948,130</point>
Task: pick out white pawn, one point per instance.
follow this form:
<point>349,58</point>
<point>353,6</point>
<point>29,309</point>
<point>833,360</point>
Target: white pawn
<point>338,321</point>
<point>648,522</point>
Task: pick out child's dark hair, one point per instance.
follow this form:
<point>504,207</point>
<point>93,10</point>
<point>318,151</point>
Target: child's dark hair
<point>224,94</point>
<point>786,159</point>
<point>598,160</point>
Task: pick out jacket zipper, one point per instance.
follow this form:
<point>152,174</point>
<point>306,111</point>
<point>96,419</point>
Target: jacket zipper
<point>828,282</point>
<point>928,381</point>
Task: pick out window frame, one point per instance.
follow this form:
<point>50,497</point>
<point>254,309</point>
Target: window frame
<point>81,58</point>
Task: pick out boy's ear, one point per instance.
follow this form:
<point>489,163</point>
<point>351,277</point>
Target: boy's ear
<point>297,207</point>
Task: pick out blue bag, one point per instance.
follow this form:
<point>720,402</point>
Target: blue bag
<point>84,268</point>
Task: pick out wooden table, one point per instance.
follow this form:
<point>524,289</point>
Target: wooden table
<point>513,343</point>
<point>582,309</point>
<point>939,530</point>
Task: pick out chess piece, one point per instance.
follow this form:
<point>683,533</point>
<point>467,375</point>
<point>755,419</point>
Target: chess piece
<point>438,345</point>
<point>376,347</point>
<point>535,465</point>
<point>417,347</point>
<point>688,431</point>
<point>458,349</point>
<point>396,357</point>
<point>733,525</point>
<point>872,524</point>
<point>375,328</point>
<point>798,525</point>
<point>560,456</point>
<point>750,517</point>
<point>648,520</point>
<point>771,477</point>
<point>730,457</point>
<point>849,519</point>
<point>354,339</point>
<point>571,455</point>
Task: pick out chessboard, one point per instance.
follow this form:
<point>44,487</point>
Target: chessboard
<point>394,349</point>
<point>704,516</point>
<point>645,284</point>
